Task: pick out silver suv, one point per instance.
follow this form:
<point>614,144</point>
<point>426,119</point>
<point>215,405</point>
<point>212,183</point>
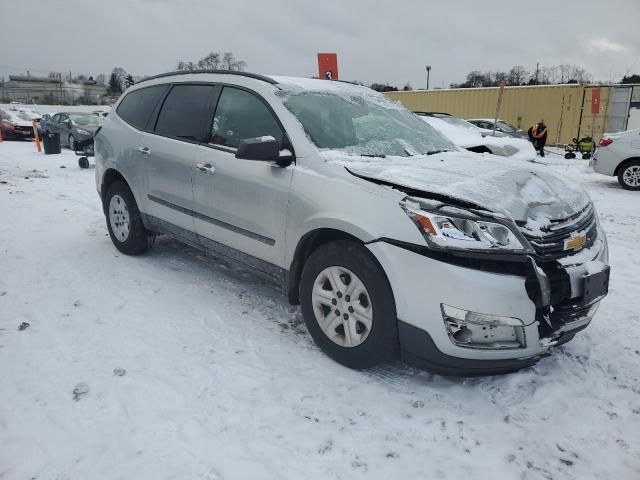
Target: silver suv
<point>396,243</point>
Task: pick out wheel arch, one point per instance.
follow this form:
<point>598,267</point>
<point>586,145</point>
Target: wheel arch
<point>307,244</point>
<point>623,163</point>
<point>110,175</point>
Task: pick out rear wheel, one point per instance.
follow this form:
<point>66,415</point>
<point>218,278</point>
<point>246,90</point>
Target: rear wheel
<point>348,305</point>
<point>124,222</point>
<point>629,175</point>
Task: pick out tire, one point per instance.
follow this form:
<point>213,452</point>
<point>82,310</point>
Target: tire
<point>124,222</point>
<point>83,162</point>
<point>71,140</point>
<point>629,175</point>
<point>366,346</point>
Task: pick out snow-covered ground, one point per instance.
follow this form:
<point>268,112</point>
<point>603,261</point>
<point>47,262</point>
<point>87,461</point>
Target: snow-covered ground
<point>173,365</point>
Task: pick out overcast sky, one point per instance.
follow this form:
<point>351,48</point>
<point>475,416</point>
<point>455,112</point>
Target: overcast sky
<point>375,41</point>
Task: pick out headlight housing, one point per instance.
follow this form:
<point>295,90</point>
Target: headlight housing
<point>83,132</point>
<point>444,230</point>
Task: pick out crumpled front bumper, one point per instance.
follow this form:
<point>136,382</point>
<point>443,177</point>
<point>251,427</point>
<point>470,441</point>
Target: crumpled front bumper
<point>422,284</point>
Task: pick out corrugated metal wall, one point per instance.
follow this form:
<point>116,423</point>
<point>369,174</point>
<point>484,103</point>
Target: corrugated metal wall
<point>561,107</point>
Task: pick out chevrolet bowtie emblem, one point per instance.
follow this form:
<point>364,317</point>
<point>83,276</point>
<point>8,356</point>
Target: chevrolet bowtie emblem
<point>576,242</point>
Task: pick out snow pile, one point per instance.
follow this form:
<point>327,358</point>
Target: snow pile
<point>172,365</point>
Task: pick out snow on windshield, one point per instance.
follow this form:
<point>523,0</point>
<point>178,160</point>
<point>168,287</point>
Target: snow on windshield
<point>358,121</point>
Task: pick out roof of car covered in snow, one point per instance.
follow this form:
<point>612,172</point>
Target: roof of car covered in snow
<point>287,83</point>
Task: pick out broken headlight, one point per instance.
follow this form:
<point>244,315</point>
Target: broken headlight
<point>451,231</point>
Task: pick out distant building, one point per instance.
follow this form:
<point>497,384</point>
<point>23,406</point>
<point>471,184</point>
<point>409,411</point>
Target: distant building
<point>30,89</point>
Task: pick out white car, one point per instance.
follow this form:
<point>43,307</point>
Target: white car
<point>618,154</point>
<point>470,137</point>
<point>503,129</point>
<point>29,112</point>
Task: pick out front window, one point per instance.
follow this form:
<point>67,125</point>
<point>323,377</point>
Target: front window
<point>81,119</point>
<point>506,127</point>
<point>23,116</point>
<point>458,122</point>
<point>241,115</point>
<point>368,125</point>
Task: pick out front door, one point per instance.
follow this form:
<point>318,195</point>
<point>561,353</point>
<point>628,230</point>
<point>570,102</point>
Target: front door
<point>241,203</point>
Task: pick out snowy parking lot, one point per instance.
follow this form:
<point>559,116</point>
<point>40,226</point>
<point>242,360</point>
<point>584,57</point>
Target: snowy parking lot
<point>175,365</point>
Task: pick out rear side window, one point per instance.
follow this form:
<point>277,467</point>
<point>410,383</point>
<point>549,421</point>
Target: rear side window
<point>186,112</point>
<point>136,108</point>
<point>241,115</point>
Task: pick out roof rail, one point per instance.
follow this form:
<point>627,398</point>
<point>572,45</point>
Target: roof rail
<point>223,72</point>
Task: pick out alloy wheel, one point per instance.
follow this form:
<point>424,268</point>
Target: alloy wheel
<point>631,176</point>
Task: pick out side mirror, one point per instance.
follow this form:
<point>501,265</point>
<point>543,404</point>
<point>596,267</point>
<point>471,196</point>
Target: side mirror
<point>265,148</point>
<point>68,123</point>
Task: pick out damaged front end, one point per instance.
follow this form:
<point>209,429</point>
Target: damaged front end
<point>564,267</point>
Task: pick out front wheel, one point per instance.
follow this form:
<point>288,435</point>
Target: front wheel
<point>629,175</point>
<point>348,305</point>
<point>124,222</point>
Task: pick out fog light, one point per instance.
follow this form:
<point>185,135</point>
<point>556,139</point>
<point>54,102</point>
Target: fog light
<point>478,330</point>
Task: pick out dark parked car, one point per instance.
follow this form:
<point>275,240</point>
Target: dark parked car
<point>73,127</point>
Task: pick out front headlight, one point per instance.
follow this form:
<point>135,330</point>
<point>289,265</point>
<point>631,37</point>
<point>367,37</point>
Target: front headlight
<point>451,231</point>
<point>83,132</point>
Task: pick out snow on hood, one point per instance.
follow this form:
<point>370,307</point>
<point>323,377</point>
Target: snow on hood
<point>531,195</point>
<point>463,137</point>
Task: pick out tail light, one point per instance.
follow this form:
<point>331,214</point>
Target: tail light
<point>605,141</point>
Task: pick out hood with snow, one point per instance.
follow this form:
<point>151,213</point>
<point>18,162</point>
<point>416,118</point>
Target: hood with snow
<point>529,194</point>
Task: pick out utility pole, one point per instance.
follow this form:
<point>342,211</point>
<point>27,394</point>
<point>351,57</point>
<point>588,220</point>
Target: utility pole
<point>537,69</point>
<point>428,67</point>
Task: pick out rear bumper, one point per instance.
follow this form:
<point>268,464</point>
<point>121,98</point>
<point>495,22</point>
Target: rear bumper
<point>605,161</point>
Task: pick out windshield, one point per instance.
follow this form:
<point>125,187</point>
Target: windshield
<point>23,116</point>
<point>506,127</point>
<point>458,122</point>
<point>84,119</point>
<point>362,126</point>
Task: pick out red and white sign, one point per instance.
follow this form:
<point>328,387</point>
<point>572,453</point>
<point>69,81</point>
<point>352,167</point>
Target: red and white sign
<point>328,66</point>
<point>595,100</point>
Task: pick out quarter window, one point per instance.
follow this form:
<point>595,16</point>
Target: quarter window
<point>242,115</point>
<point>136,108</point>
<point>186,112</point>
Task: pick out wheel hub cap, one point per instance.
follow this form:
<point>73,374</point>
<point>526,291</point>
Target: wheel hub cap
<point>631,176</point>
<point>342,306</point>
<point>119,218</point>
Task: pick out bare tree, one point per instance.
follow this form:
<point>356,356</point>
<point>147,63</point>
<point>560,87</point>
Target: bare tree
<point>518,75</point>
<point>213,61</point>
<point>210,62</point>
<point>229,62</point>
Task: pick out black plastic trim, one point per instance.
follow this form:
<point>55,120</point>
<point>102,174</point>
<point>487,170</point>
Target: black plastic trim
<point>268,270</point>
<point>214,221</point>
<point>418,348</point>
<point>220,72</point>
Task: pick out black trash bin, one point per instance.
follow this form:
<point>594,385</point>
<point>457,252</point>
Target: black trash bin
<point>51,143</point>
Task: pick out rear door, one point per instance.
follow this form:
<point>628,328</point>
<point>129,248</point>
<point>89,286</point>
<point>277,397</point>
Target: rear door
<point>169,153</point>
<point>241,203</point>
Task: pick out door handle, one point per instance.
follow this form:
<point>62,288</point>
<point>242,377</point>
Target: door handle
<point>206,168</point>
<point>144,150</point>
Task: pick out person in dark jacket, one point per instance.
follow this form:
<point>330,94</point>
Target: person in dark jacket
<point>538,136</point>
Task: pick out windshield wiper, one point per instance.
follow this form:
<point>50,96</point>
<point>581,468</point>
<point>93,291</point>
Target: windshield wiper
<point>382,155</point>
<point>433,152</point>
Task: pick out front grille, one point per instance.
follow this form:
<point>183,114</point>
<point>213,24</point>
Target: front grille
<point>550,245</point>
<point>27,130</point>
